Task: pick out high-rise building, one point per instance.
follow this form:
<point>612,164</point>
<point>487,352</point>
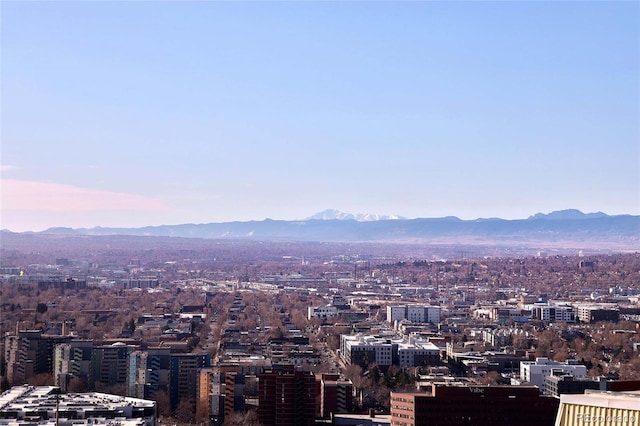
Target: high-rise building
<point>184,370</point>
<point>286,397</point>
<point>30,352</point>
<point>335,395</point>
<point>73,360</point>
<point>220,394</point>
<point>149,372</point>
<point>110,365</point>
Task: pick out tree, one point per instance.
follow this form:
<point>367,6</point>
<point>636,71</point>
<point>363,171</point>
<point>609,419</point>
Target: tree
<point>277,333</point>
<point>42,379</point>
<point>163,403</point>
<point>78,385</point>
<point>41,308</point>
<point>185,411</point>
<point>250,418</point>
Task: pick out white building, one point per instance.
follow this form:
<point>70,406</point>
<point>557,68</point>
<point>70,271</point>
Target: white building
<point>40,405</point>
<point>406,352</point>
<point>417,352</point>
<point>537,372</point>
<point>365,350</point>
<point>413,313</point>
<point>396,313</point>
<point>552,312</point>
<point>322,312</point>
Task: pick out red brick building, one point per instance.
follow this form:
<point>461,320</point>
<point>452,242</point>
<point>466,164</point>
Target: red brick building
<point>286,397</point>
<point>335,395</point>
<point>450,405</point>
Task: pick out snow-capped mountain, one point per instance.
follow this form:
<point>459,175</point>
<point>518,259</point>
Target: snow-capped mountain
<point>332,214</point>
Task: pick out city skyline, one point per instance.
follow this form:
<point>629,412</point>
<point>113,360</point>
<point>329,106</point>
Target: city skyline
<point>126,114</point>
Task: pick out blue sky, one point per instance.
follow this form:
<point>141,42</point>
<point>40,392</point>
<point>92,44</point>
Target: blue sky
<point>149,113</point>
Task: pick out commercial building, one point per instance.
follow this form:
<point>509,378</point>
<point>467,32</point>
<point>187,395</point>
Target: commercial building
<point>552,312</point>
<point>599,408</point>
<point>598,312</point>
<point>142,282</point>
<point>322,312</point>
<point>458,405</point>
<point>45,405</point>
<point>560,384</point>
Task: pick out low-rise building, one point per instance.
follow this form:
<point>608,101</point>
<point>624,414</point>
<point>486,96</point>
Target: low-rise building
<point>322,312</point>
<point>590,313</point>
<point>536,372</point>
<point>405,352</point>
<point>46,405</point>
<point>552,312</point>
<point>413,313</point>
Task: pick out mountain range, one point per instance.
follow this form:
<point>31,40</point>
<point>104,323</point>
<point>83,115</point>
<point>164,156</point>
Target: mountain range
<point>560,227</point>
<point>331,214</point>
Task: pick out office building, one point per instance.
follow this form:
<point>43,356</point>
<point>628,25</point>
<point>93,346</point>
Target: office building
<point>458,405</point>
<point>598,312</point>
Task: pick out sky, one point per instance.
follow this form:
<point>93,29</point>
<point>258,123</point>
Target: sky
<point>127,114</point>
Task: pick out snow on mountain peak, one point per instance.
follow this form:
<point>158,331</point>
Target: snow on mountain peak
<point>332,214</point>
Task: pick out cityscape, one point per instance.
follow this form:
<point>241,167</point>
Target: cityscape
<point>210,331</point>
<point>296,213</point>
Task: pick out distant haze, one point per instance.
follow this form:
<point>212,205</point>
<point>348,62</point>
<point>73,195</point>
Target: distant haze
<point>132,114</point>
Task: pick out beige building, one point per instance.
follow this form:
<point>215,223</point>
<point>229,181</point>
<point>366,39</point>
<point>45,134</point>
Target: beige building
<point>599,408</point>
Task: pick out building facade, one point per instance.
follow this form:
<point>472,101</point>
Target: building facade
<point>406,352</point>
<point>286,397</point>
<point>536,372</point>
<point>451,405</point>
<point>414,313</point>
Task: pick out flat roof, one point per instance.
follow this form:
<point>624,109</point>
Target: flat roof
<point>606,399</point>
